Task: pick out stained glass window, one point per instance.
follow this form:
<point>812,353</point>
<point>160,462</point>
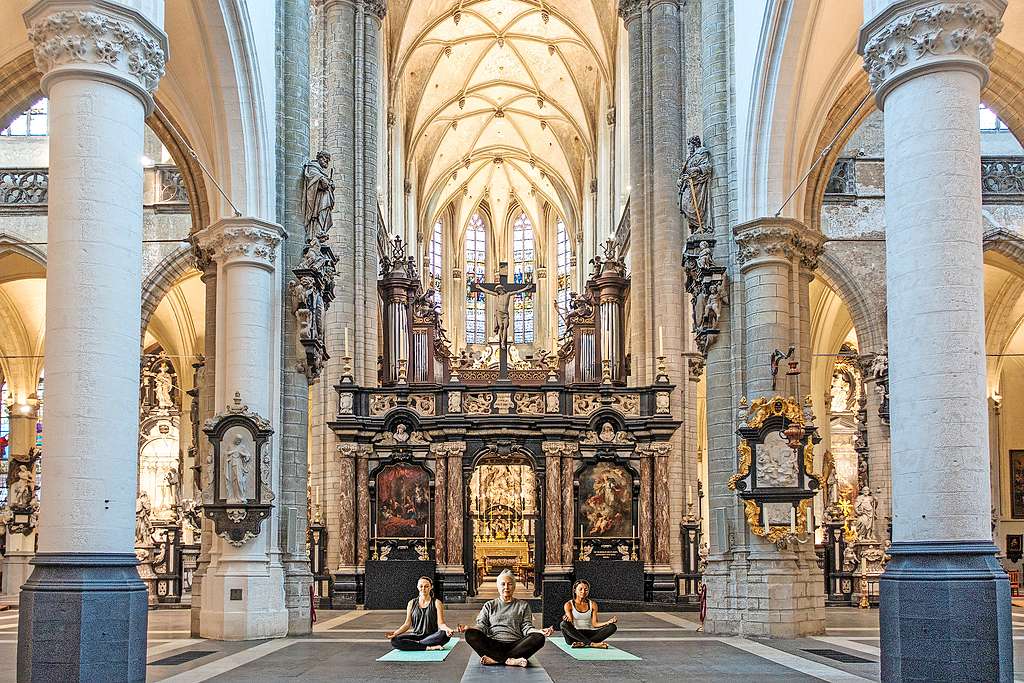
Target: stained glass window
<point>522,271</point>
<point>476,271</point>
<point>434,263</point>
<point>31,122</point>
<point>562,293</point>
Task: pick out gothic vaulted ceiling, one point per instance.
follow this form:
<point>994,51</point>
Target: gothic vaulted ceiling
<point>500,99</point>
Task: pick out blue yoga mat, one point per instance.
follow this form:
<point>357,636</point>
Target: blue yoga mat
<point>420,656</point>
<point>593,654</point>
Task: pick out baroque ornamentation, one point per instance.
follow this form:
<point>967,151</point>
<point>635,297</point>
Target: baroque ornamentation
<point>708,287</point>
<point>422,403</point>
<point>89,37</point>
<point>627,404</point>
<point>896,44</point>
<point>382,403</point>
<point>478,404</point>
<point>585,404</point>
<point>529,404</point>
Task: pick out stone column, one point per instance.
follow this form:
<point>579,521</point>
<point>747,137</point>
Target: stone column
<point>243,587</point>
<point>100,62</point>
<point>292,151</point>
<point>927,62</point>
<point>21,547</point>
<point>207,407</point>
<point>775,593</point>
<point>342,525</point>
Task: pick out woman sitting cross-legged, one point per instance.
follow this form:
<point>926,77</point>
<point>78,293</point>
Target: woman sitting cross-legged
<point>424,627</point>
<point>504,632</point>
<point>580,625</point>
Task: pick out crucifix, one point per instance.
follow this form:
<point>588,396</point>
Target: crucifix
<point>503,291</point>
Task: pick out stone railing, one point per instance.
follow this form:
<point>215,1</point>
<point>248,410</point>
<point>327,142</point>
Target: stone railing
<point>24,186</point>
<point>1002,178</point>
<point>171,186</point>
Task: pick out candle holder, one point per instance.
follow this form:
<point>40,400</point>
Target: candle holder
<point>403,371</point>
<point>662,377</point>
<point>316,514</point>
<point>552,361</point>
<point>689,513</point>
<point>346,370</point>
<point>606,371</point>
<point>456,364</point>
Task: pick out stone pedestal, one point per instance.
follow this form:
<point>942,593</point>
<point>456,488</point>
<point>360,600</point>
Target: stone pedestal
<point>17,566</point>
<point>83,610</point>
<point>144,554</point>
<point>943,593</point>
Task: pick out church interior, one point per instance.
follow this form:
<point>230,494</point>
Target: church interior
<point>714,307</point>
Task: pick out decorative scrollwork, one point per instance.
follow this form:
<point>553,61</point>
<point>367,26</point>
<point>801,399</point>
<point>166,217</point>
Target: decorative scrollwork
<point>24,186</point>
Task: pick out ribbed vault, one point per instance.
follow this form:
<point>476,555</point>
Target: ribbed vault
<point>500,100</point>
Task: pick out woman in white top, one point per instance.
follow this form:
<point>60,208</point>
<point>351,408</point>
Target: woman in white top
<point>580,625</point>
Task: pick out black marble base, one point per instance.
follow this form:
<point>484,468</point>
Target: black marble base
<point>664,587</point>
<point>945,614</point>
<point>556,589</point>
<point>619,580</point>
<point>391,584</point>
<point>452,587</point>
<point>83,617</point>
<point>346,590</point>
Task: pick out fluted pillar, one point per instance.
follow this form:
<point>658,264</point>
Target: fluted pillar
<point>249,326</point>
<point>944,593</point>
<point>100,62</point>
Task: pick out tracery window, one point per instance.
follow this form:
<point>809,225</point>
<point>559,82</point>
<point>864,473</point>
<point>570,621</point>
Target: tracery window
<point>476,271</point>
<point>988,120</point>
<point>434,262</point>
<point>563,260</point>
<point>30,123</point>
<point>522,271</point>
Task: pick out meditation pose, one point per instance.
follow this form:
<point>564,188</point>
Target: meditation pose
<point>424,627</point>
<point>504,632</point>
<point>580,625</point>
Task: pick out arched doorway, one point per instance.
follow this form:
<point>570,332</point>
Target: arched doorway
<point>504,509</point>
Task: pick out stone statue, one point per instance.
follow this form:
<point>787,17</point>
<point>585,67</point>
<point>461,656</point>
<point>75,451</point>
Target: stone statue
<point>309,299</point>
<point>865,508</point>
<point>318,196</point>
<point>143,525</point>
<point>163,384</point>
<point>694,186</point>
<point>236,470</point>
<point>173,486</point>
<point>607,432</point>
<point>879,365</point>
<point>401,434</point>
<point>23,489</point>
<point>716,296</point>
<point>840,394</point>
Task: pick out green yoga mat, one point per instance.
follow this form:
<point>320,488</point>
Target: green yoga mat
<point>593,654</point>
<point>421,656</point>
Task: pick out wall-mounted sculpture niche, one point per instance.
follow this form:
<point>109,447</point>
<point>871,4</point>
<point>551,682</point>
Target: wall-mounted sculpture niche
<point>775,478</point>
<point>236,494</point>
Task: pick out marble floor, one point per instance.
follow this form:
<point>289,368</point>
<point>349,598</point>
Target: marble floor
<point>345,646</point>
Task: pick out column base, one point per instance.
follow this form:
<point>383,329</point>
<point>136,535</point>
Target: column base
<point>765,597</point>
<point>945,613</point>
<point>16,567</point>
<point>83,617</point>
<point>662,582</point>
<point>243,600</point>
<point>348,588</point>
<point>454,587</point>
<point>297,582</point>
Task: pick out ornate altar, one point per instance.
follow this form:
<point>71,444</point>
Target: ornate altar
<point>460,467</point>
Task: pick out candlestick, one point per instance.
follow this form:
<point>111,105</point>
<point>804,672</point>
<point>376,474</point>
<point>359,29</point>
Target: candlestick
<point>810,523</point>
<point>688,496</point>
<point>346,341</point>
<point>792,520</point>
<point>661,340</point>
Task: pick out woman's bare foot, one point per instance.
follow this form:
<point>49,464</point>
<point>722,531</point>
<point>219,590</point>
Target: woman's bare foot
<point>600,646</point>
<point>435,647</point>
<point>517,661</point>
<point>578,644</point>
<point>487,661</point>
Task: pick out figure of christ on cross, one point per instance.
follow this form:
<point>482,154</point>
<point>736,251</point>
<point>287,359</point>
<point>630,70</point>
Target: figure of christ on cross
<point>503,291</point>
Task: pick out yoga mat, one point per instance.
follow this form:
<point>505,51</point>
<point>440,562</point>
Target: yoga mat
<point>593,654</point>
<point>420,656</point>
<point>476,672</point>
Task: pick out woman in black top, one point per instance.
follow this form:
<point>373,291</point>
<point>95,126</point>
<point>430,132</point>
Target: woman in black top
<point>424,627</point>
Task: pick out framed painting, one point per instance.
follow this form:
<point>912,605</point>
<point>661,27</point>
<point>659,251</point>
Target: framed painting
<point>606,501</point>
<point>1017,484</point>
<point>403,502</point>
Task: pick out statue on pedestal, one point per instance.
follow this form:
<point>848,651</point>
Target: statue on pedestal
<point>23,489</point>
<point>236,470</point>
<point>143,523</point>
<point>865,507</point>
<point>694,186</point>
<point>318,196</point>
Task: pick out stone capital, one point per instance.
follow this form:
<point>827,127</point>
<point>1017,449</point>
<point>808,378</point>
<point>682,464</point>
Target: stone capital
<point>913,37</point>
<point>352,451</point>
<point>630,9</point>
<point>240,240</point>
<point>451,449</point>
<point>774,239</point>
<point>376,8</point>
<point>97,39</point>
<point>559,448</point>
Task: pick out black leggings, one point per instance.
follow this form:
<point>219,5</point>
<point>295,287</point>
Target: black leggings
<point>587,636</point>
<point>500,650</point>
<point>411,641</point>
